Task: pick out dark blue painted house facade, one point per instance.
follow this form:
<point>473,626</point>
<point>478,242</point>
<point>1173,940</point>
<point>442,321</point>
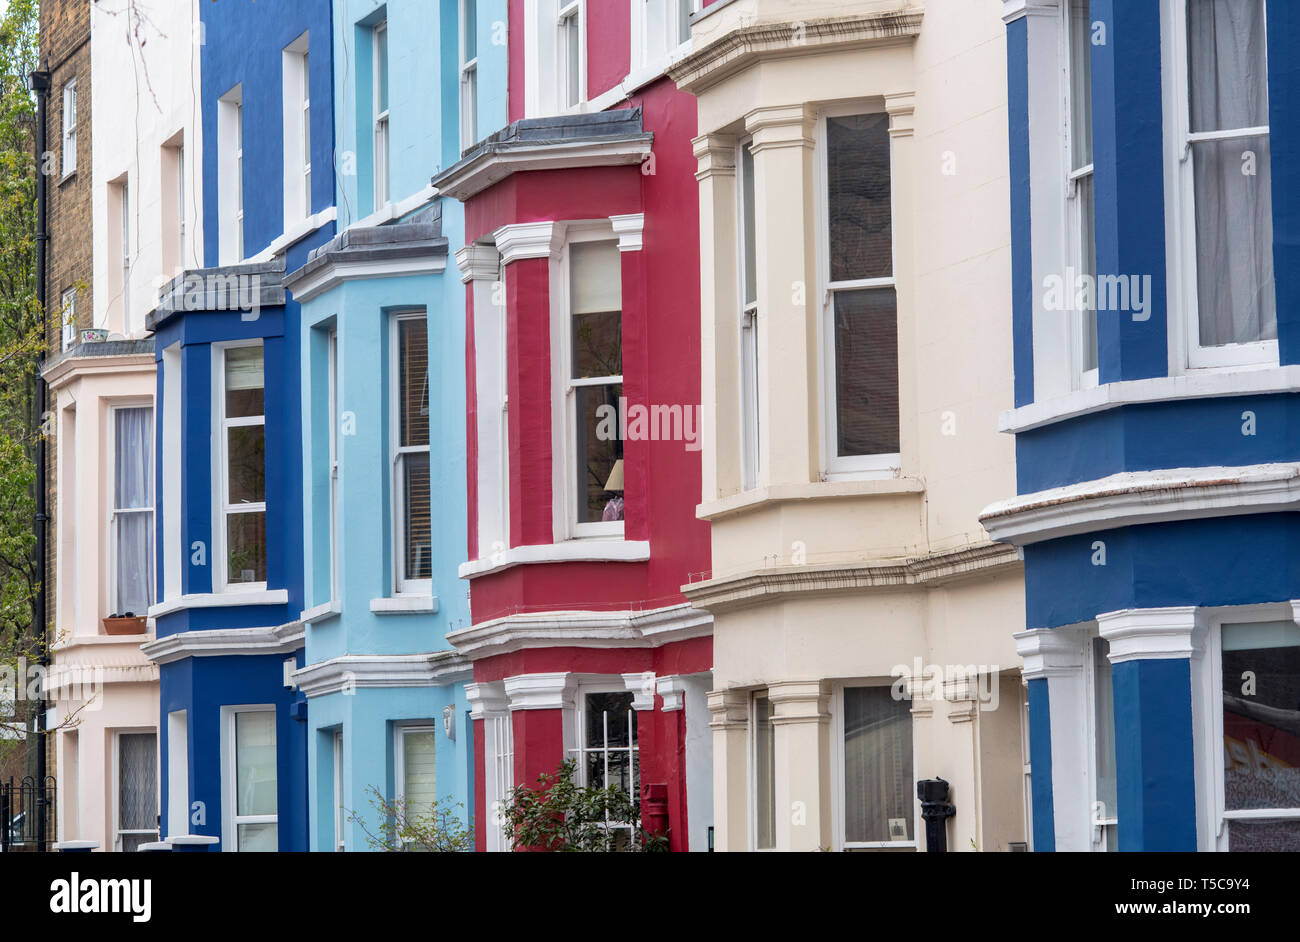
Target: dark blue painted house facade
<point>1155,204</point>
<point>1156,224</point>
<point>230,556</point>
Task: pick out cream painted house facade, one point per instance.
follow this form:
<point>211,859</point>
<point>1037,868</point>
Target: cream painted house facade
<point>856,343</point>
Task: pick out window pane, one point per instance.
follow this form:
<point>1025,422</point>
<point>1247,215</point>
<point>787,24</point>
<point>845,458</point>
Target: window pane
<point>1234,241</point>
<point>471,29</point>
<point>246,461</point>
<point>255,773</point>
<point>598,448</point>
<point>596,292</point>
<point>134,563</point>
<point>413,381</point>
<point>1086,195</point>
<point>418,767</point>
<point>611,768</point>
<point>1261,722</point>
<point>684,20</point>
<point>877,765</point>
<point>612,713</point>
<point>569,43</point>
<point>1104,720</point>
<point>416,499</point>
<point>245,383</point>
<point>246,539</point>
<point>133,454</point>
<point>381,68</point>
<point>765,774</point>
<point>1080,84</point>
<point>861,230</point>
<point>258,838</point>
<point>751,232</point>
<point>137,782</point>
<point>1264,836</point>
<point>866,372</point>
<point>1227,64</point>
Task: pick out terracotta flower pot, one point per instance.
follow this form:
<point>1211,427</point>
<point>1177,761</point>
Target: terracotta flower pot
<point>125,626</point>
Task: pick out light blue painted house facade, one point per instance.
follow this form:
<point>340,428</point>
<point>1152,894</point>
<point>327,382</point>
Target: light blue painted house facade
<point>1155,204</point>
<point>383,381</point>
<point>229,515</point>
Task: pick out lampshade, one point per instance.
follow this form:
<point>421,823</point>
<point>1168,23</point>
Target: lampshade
<point>615,482</point>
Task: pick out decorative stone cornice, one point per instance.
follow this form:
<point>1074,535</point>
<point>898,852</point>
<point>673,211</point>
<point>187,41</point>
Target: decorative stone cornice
<point>540,691</point>
<point>616,629</point>
<point>1142,634</point>
<point>1048,651</point>
<point>478,262</point>
<point>779,126</point>
<point>715,155</point>
<point>225,642</point>
<point>730,709</point>
<point>1134,498</point>
<point>741,47</point>
<point>799,701</point>
<point>98,359</point>
<point>901,108</point>
<point>642,687</point>
<point>673,692</point>
<point>357,671</point>
<point>629,229</point>
<point>1013,10</point>
<point>486,699</point>
<point>528,240</point>
<point>756,587</point>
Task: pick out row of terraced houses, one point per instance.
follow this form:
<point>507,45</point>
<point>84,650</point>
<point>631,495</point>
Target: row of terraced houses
<point>766,405</point>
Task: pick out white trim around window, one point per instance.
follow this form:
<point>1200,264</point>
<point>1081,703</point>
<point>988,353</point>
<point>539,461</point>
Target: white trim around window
<point>121,833</point>
<point>70,127</point>
<point>332,380</point>
<point>885,464</point>
<point>401,457</point>
<point>468,57</point>
<point>223,507</point>
<point>751,452</point>
<point>340,811</point>
<point>838,801</point>
<point>231,819</point>
<point>379,112</point>
<point>296,70</point>
<point>118,515</point>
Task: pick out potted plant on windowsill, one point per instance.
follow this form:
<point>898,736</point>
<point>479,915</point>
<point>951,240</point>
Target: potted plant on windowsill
<point>128,624</point>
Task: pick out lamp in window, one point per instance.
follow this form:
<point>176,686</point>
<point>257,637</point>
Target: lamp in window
<point>614,509</point>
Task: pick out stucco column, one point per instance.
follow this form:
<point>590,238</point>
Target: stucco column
<point>730,711</point>
<point>1151,651</point>
<point>785,217</point>
<point>719,315</point>
<point>801,719</point>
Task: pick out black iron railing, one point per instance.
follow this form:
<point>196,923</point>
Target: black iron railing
<point>23,804</point>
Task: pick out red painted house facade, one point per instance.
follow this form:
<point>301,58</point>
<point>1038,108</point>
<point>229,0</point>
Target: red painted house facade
<point>583,367</point>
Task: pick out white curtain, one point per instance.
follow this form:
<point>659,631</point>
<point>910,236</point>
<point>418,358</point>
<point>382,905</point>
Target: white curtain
<point>1228,87</point>
<point>133,509</point>
<point>877,765</point>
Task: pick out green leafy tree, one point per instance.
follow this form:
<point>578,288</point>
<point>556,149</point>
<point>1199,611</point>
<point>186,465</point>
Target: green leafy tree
<point>560,815</point>
<point>438,828</point>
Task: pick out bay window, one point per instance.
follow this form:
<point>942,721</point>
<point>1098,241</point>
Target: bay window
<point>1224,196</point>
<point>1102,773</point>
<point>468,73</point>
<point>1081,240</point>
<point>593,371</point>
<point>764,773</point>
<point>137,790</point>
<point>608,752</point>
<point>242,465</point>
<point>750,452</point>
<point>1258,741</point>
<point>409,391</point>
<point>874,739</point>
<point>860,317</point>
<point>416,771</point>
<point>132,527</point>
<point>570,57</point>
<point>250,779</point>
<point>379,111</point>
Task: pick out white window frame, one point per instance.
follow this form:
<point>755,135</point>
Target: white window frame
<point>181,234</point>
<point>751,454</point>
<point>114,511</point>
<point>1103,831</point>
<point>1027,771</point>
<point>564,11</point>
<point>564,395</point>
<point>579,750</point>
<point>296,70</point>
<point>400,732</point>
<point>397,453</point>
<point>1181,183</point>
<point>676,41</point>
<point>468,77</point>
<point>499,747</point>
<point>381,130</point>
<point>230,176</point>
<point>118,831</point>
<point>858,466</point>
<point>1072,239</point>
<point>230,821</point>
<point>70,127</point>
<point>751,770</point>
<point>332,369</point>
<point>124,194</point>
<point>221,576</point>
<point>656,35</point>
<point>838,816</point>
<point>68,327</point>
<point>340,834</point>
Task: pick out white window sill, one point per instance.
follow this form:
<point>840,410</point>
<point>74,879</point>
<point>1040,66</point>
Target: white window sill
<point>821,490</point>
<point>405,605</point>
<point>1195,384</point>
<point>570,551</point>
<point>321,612</point>
<point>230,599</point>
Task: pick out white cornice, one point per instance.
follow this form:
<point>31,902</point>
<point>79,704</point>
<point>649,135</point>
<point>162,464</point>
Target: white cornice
<point>629,229</point>
<point>1133,498</point>
<point>1013,10</point>
<point>486,699</point>
<point>356,671</point>
<point>220,600</point>
<point>478,175</point>
<point>527,240</point>
<point>582,629</point>
<point>88,367</point>
<point>540,691</point>
<point>673,691</point>
<point>334,273</point>
<point>571,551</point>
<point>641,686</point>
<point>1199,384</point>
<point>1048,651</point>
<point>224,642</point>
<point>1144,634</point>
<point>478,262</point>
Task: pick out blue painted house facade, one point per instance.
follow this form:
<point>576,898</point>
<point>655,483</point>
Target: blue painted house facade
<point>1156,223</point>
<point>233,744</point>
<point>382,334</point>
